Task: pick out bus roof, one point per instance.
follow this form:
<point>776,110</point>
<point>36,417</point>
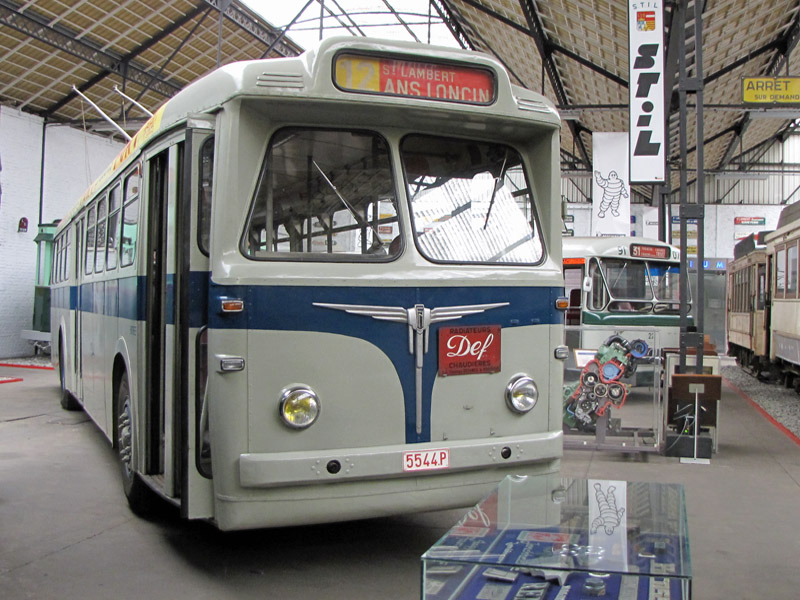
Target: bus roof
<point>616,247</point>
<point>305,76</point>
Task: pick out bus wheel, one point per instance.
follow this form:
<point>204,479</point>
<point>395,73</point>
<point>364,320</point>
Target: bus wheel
<point>68,401</point>
<point>135,489</point>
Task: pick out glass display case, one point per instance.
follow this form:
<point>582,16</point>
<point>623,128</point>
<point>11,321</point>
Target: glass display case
<point>612,396</point>
<point>565,539</point>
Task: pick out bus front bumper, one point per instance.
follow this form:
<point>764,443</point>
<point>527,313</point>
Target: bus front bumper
<point>348,464</point>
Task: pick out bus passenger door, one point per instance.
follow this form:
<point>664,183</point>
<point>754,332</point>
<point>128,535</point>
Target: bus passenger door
<point>158,419</point>
<point>77,325</point>
<point>196,485</point>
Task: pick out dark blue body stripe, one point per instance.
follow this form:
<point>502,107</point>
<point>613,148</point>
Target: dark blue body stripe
<point>291,308</point>
<point>124,298</point>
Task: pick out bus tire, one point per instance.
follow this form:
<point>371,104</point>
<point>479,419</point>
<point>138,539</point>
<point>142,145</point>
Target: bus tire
<point>68,401</point>
<point>136,491</point>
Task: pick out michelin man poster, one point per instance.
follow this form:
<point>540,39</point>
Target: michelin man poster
<point>611,188</point>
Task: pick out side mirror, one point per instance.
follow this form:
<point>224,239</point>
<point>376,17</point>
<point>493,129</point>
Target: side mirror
<point>587,284</point>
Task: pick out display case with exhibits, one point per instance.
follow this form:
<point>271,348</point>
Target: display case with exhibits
<point>565,539</point>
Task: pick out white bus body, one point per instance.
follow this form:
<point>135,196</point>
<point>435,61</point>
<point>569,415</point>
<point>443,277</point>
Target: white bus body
<point>322,288</point>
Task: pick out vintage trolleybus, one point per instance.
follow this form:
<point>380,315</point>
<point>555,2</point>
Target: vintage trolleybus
<point>322,288</point>
<point>624,286</point>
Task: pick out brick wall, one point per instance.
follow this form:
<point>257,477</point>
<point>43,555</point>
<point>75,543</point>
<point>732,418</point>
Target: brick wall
<point>72,161</point>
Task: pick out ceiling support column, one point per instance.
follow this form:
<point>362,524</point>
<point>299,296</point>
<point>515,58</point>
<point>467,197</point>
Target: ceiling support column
<point>691,336</point>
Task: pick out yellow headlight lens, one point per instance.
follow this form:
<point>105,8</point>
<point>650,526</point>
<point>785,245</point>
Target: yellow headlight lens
<point>299,407</point>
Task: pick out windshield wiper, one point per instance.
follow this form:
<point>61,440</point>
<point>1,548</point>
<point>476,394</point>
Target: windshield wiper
<point>359,219</point>
<point>498,183</point>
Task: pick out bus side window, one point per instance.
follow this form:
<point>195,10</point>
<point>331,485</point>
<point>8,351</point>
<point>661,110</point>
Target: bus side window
<point>100,245</point>
<point>113,228</point>
<point>130,219</point>
<point>205,190</point>
<point>90,227</point>
<point>65,262</point>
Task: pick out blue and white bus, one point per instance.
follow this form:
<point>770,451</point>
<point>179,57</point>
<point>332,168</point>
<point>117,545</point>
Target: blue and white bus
<point>321,288</point>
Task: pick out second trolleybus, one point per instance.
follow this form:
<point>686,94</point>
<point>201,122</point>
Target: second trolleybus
<point>622,286</point>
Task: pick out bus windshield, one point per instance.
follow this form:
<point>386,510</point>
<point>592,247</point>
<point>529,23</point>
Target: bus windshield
<point>470,201</point>
<point>621,285</point>
<point>325,194</point>
<point>665,282</point>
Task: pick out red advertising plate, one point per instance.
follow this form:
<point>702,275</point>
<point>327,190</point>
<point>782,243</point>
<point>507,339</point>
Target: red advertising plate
<point>469,349</point>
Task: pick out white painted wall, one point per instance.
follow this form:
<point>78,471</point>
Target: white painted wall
<point>72,160</point>
<point>721,230</point>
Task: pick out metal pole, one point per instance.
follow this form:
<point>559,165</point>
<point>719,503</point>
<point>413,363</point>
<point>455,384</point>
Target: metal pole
<point>142,108</point>
<point>700,183</point>
<point>684,269</point>
<point>102,114</point>
<point>41,172</point>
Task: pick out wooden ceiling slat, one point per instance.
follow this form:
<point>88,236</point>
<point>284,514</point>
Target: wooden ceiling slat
<point>38,75</point>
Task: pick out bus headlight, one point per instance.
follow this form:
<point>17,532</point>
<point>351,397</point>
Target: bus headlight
<point>299,407</point>
<point>521,393</point>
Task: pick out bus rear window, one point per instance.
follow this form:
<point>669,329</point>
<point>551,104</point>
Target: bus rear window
<point>322,195</point>
<point>471,201</point>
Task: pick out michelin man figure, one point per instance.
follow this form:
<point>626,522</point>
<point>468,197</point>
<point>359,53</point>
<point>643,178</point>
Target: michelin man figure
<point>613,188</point>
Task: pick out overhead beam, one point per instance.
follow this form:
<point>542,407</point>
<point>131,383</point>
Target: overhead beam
<point>451,21</point>
<point>786,44</point>
<point>551,46</point>
<point>152,78</point>
<point>271,38</point>
<point>540,39</point>
<point>470,36</point>
<point>775,44</point>
<point>34,26</point>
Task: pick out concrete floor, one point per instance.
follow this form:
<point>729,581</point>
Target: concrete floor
<point>66,531</point>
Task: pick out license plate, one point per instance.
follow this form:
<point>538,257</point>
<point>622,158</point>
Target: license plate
<point>426,460</point>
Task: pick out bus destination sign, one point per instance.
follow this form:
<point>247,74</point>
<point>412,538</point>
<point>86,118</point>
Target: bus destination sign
<point>645,251</point>
<point>414,79</point>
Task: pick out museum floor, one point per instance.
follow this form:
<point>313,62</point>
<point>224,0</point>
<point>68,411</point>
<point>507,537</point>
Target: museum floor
<point>66,531</point>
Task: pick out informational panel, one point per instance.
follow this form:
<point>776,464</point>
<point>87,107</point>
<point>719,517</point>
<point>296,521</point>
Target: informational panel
<point>611,208</point>
<point>771,90</point>
<point>650,222</point>
<point>744,226</point>
<point>646,89</point>
<point>691,234</point>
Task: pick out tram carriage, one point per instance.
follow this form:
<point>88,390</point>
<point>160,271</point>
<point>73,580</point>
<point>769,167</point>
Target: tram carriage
<point>322,288</point>
<point>748,305</point>
<point>763,302</point>
<point>784,338</point>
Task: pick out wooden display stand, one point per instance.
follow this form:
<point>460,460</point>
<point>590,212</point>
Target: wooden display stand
<point>690,395</point>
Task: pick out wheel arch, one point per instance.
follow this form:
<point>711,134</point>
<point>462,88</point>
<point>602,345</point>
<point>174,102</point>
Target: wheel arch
<point>120,368</point>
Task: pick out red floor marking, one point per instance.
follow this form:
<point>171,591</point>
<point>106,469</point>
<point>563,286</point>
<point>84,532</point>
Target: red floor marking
<point>764,413</point>
<point>15,380</point>
<point>26,366</point>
